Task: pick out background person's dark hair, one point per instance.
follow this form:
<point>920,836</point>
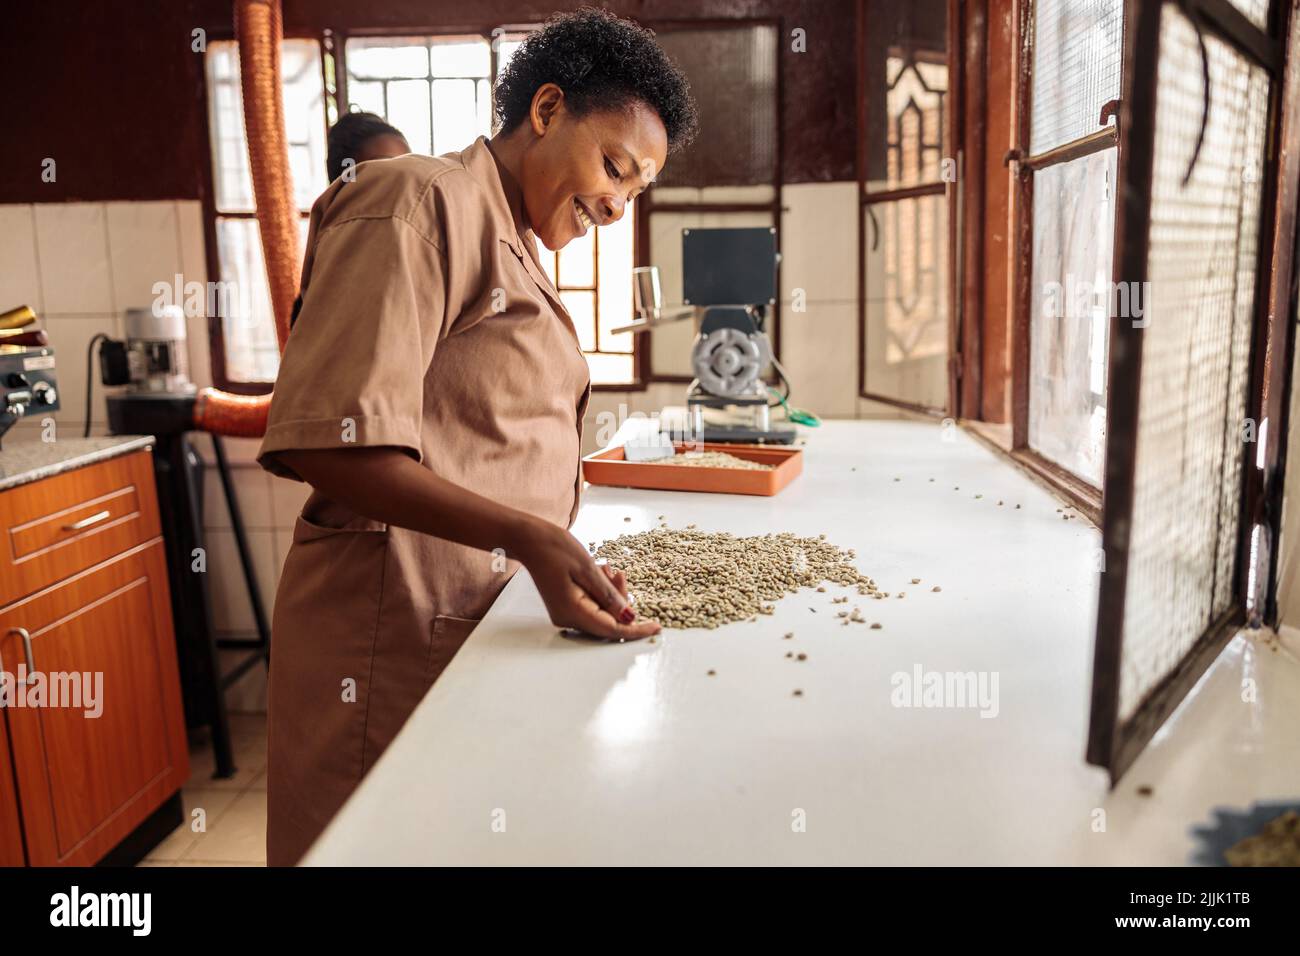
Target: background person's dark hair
<point>600,61</point>
<point>349,134</point>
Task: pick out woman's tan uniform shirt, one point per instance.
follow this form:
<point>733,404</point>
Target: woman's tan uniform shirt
<point>428,324</point>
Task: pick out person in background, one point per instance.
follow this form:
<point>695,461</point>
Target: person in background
<point>360,137</point>
<point>354,139</point>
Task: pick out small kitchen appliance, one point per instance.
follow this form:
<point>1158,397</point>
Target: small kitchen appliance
<point>27,380</point>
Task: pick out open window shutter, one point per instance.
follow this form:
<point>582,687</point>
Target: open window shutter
<point>1189,333</point>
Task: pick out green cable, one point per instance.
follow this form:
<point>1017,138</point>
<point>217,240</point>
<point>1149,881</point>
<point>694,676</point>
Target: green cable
<point>796,415</point>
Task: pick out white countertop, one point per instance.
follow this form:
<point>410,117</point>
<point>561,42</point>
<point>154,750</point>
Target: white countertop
<point>536,749</point>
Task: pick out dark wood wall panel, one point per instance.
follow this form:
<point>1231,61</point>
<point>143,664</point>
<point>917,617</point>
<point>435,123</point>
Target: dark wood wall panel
<point>105,90</point>
<point>112,94</point>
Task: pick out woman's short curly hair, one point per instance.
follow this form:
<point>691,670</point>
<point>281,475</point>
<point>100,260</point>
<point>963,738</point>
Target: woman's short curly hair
<point>600,61</point>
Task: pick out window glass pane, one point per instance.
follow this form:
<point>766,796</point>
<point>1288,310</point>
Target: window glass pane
<point>366,96</point>
<point>234,189</point>
<point>906,339</point>
<point>304,118</point>
<point>907,84</point>
<point>506,47</point>
<point>578,262</point>
<point>1078,45</point>
<point>468,57</point>
<point>304,101</point>
<point>455,115</point>
<point>483,120</point>
<point>547,257</point>
<point>615,275</point>
<point>582,309</point>
<point>387,57</point>
<point>408,110</point>
<point>1074,230</point>
<point>610,369</point>
<point>244,303</point>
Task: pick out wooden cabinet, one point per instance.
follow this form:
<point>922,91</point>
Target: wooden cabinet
<point>11,829</point>
<point>95,615</point>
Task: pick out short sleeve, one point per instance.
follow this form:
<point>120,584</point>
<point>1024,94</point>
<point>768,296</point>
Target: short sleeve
<point>352,374</point>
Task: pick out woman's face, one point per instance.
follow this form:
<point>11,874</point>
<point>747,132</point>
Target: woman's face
<point>581,171</point>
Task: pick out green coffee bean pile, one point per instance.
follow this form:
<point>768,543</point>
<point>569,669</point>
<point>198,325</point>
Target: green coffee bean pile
<point>715,459</point>
<point>685,578</point>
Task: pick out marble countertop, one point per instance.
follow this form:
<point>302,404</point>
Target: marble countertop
<point>26,461</point>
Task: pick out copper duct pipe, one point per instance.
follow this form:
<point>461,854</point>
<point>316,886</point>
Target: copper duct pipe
<point>259,28</point>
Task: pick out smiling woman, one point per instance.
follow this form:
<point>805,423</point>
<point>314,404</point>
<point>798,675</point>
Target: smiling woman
<point>431,356</point>
<point>589,108</point>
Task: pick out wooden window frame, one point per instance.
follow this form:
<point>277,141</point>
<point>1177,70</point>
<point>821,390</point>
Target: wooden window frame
<point>333,43</point>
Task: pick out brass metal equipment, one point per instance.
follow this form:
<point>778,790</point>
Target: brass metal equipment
<point>18,318</point>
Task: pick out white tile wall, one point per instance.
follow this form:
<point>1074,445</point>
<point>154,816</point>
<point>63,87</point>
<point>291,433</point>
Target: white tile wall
<point>145,248</point>
<point>20,280</point>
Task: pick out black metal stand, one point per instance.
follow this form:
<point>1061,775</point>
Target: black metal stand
<point>179,476</point>
<point>261,647</point>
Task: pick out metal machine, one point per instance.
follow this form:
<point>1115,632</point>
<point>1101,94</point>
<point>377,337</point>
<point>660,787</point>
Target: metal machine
<point>728,284</point>
<point>27,382</point>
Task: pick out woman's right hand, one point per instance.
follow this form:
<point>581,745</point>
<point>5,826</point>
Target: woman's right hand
<point>578,592</point>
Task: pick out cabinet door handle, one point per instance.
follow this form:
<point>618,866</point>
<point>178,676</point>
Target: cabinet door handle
<point>27,648</point>
<point>87,522</point>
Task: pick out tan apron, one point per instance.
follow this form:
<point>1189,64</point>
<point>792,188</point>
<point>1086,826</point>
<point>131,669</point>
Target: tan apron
<point>427,323</point>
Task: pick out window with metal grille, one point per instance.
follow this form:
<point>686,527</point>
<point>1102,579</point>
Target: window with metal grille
<point>248,350</point>
<point>437,91</point>
<point>1068,182</point>
<point>903,184</point>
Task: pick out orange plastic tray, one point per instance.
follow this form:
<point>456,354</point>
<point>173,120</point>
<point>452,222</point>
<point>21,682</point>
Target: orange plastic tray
<point>610,468</point>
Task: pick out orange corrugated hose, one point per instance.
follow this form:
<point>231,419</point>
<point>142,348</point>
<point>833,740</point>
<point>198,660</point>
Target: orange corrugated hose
<point>259,29</point>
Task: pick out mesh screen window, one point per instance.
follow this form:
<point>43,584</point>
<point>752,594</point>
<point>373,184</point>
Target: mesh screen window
<point>1196,353</point>
<point>1078,46</point>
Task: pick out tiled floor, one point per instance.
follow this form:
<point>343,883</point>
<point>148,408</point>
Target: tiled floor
<point>231,831</point>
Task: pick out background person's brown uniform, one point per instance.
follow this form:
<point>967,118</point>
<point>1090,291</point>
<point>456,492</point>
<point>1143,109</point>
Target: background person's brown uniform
<point>428,324</point>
